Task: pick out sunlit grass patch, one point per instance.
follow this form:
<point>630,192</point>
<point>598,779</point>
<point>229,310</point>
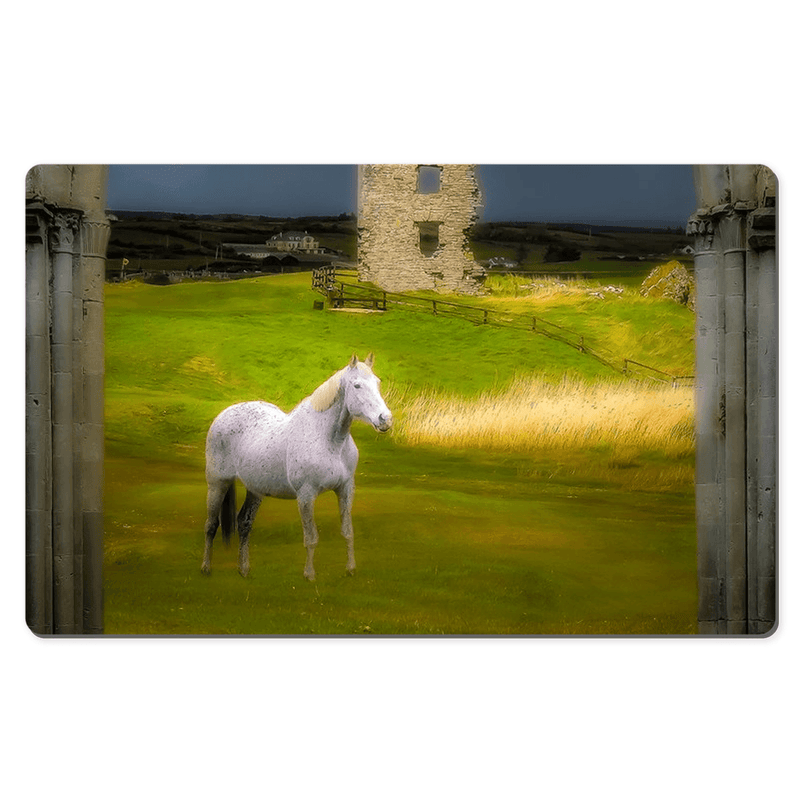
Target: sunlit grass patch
<point>573,415</point>
<point>540,288</point>
<point>589,532</point>
<point>642,474</point>
<point>614,319</point>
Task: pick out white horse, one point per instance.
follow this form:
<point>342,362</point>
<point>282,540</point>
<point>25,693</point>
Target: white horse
<point>297,455</point>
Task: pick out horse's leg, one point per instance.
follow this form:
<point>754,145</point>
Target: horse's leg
<point>216,494</point>
<point>305,502</point>
<point>345,495</point>
<point>244,524</point>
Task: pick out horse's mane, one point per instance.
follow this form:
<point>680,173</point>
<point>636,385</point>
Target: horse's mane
<point>321,399</point>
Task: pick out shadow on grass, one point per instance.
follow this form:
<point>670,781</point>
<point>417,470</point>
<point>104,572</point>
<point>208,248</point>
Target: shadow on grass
<point>446,543</point>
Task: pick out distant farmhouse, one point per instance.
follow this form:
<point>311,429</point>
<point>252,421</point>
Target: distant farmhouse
<point>287,242</point>
<point>293,240</point>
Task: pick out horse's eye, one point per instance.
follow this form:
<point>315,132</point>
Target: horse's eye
<point>356,385</point>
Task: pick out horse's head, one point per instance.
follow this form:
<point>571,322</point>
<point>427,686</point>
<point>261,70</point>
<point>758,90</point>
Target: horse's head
<point>362,394</point>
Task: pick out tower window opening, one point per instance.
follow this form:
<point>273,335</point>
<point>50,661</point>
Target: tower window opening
<point>429,179</point>
<point>428,237</point>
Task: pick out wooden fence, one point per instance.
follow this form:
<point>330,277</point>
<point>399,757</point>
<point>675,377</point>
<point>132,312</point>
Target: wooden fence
<point>329,281</point>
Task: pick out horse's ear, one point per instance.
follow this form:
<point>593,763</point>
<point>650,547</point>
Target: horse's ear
<point>370,360</point>
<point>353,361</point>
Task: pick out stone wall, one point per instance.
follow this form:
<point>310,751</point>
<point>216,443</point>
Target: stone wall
<point>392,213</point>
<point>736,404</point>
<point>66,237</point>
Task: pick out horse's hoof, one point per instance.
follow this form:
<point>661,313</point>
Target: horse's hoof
<point>351,572</point>
<point>310,576</point>
<point>244,572</point>
<point>206,570</point>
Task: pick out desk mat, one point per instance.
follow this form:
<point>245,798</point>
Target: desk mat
<point>463,405</point>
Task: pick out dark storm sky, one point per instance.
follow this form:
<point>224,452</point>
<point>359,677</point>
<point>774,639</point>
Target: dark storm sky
<point>626,194</point>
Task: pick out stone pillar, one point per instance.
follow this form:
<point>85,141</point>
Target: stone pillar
<point>95,234</point>
<point>764,400</point>
<point>735,401</point>
<point>38,425</point>
<point>66,237</point>
<point>67,573</point>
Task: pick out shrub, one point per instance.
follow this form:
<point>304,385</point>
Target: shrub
<point>561,252</point>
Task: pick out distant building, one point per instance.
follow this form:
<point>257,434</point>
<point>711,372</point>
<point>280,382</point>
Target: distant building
<point>294,240</point>
<point>286,242</point>
<point>250,250</point>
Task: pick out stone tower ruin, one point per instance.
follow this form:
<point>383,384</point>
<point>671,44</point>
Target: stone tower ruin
<point>413,221</point>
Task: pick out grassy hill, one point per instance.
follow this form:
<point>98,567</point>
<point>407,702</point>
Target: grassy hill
<point>156,242</point>
<point>159,241</point>
<point>448,539</point>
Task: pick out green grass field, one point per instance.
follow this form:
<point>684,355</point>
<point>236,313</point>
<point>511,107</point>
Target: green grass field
<point>447,540</point>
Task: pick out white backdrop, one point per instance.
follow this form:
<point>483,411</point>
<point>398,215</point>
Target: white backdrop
<point>573,83</point>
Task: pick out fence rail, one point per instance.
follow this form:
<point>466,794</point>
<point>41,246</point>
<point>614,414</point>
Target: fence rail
<point>341,294</point>
<point>666,377</point>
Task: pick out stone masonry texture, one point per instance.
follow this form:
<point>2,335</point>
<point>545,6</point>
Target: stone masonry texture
<point>66,233</point>
<point>736,394</point>
<point>390,210</point>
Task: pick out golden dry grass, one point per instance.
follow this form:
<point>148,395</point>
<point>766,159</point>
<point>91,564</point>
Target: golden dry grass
<point>538,289</point>
<point>530,414</point>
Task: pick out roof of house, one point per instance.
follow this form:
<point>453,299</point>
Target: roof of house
<point>290,236</point>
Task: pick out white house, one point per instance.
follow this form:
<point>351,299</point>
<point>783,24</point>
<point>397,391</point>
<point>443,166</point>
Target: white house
<point>294,240</point>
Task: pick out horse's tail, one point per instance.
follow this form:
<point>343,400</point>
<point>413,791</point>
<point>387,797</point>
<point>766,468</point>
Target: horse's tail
<point>227,514</point>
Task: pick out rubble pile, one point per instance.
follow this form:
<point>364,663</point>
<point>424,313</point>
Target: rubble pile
<point>672,281</point>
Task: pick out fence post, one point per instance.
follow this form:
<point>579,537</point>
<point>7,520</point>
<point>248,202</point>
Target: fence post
<point>533,327</point>
<point>434,306</point>
<point>485,316</point>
